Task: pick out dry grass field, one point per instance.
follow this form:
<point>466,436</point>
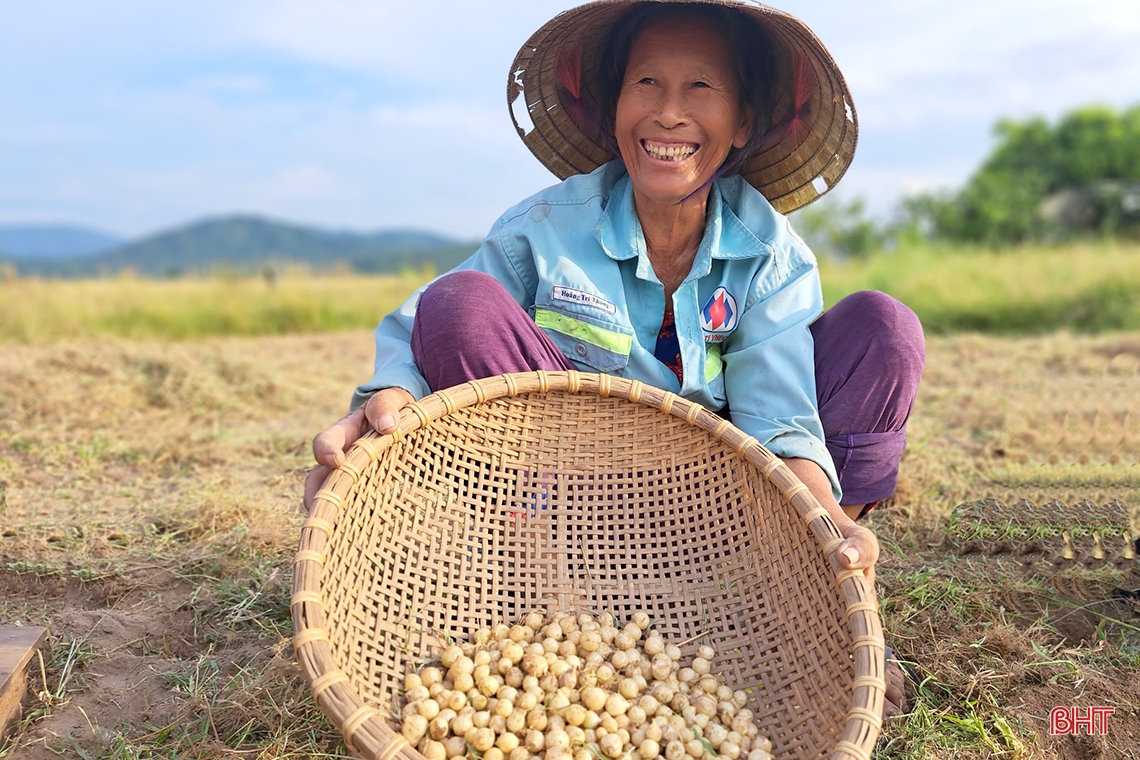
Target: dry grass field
<point>148,513</point>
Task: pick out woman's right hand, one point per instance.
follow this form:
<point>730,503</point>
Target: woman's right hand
<point>380,412</point>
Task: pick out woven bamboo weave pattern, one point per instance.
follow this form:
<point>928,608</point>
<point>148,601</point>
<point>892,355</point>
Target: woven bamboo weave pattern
<point>571,491</point>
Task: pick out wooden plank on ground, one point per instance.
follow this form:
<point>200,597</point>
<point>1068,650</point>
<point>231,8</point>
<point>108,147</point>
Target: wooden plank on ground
<point>18,645</point>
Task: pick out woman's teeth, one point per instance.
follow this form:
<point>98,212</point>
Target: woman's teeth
<point>670,153</point>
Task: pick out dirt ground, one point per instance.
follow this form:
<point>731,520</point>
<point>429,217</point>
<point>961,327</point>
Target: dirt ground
<point>148,497</point>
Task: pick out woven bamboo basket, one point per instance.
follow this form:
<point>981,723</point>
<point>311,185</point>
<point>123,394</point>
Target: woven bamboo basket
<point>570,491</point>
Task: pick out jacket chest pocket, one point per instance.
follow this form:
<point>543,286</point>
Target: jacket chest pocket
<point>604,347</point>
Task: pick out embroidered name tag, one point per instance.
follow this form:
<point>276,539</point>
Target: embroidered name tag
<point>582,297</point>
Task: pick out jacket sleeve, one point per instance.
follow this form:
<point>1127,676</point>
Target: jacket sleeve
<point>770,366</point>
<point>503,255</point>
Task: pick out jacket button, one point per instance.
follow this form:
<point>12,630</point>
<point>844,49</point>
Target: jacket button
<point>580,349</point>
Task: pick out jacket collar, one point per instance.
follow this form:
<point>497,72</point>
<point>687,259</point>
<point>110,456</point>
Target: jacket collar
<point>726,236</point>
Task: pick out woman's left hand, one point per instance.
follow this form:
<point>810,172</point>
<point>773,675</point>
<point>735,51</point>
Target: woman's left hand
<point>860,551</point>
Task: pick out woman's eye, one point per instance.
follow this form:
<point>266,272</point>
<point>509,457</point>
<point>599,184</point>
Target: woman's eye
<point>645,80</point>
<point>701,84</point>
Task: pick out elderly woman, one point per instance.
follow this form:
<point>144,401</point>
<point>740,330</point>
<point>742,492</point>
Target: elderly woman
<point>656,260</point>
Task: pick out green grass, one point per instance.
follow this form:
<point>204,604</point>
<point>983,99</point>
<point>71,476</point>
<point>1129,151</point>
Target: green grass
<point>1085,287</point>
<point>37,311</point>
<point>1030,290</point>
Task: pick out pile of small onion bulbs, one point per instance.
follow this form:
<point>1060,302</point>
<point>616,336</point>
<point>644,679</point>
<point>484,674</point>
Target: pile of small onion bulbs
<point>576,687</point>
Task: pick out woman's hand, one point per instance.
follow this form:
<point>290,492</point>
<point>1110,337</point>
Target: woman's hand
<point>380,412</point>
<point>860,551</point>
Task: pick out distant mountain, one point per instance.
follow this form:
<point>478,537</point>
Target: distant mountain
<point>248,243</point>
<point>53,241</point>
<point>410,239</point>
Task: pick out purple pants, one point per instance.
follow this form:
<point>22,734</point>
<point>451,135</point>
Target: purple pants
<point>869,354</point>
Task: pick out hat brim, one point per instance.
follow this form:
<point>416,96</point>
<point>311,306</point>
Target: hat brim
<point>791,170</point>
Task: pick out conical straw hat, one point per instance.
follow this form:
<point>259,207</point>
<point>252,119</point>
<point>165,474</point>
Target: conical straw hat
<point>791,169</point>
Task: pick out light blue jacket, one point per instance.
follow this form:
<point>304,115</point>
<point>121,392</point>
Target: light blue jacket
<point>574,257</point>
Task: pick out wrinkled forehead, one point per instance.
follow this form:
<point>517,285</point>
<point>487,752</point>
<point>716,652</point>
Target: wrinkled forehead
<point>684,35</point>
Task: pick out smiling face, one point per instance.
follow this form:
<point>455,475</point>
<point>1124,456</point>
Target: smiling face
<point>678,111</point>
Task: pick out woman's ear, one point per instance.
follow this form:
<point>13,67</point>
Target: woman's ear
<point>740,139</point>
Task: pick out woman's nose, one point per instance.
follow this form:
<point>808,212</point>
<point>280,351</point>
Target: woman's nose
<point>672,111</point>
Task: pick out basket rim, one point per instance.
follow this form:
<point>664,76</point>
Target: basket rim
<point>365,731</point>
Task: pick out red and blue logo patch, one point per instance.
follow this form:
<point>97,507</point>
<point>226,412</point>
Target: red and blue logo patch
<point>720,314</point>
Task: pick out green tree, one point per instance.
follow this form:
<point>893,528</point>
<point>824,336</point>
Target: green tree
<point>841,230</point>
<point>1031,159</point>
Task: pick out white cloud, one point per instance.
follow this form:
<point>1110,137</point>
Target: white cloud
<point>447,46</point>
<point>236,84</point>
<point>66,32</point>
<point>132,115</point>
<point>985,59</point>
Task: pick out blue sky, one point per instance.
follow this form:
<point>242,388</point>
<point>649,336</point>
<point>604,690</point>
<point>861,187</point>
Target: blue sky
<point>137,115</point>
